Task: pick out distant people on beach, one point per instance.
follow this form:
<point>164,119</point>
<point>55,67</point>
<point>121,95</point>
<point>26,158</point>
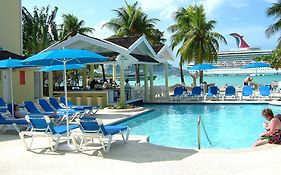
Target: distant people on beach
<point>247,81</point>
<point>274,85</point>
<point>204,86</point>
<point>272,133</point>
<point>127,89</point>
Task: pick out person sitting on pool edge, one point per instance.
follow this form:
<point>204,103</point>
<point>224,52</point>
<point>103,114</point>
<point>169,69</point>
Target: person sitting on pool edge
<point>273,129</point>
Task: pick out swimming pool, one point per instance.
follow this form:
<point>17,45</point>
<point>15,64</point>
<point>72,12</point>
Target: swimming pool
<point>229,126</point>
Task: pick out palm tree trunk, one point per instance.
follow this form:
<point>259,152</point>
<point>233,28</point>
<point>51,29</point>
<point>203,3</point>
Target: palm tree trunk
<point>103,72</point>
<point>181,73</point>
<point>137,74</point>
<point>201,76</point>
<point>193,81</point>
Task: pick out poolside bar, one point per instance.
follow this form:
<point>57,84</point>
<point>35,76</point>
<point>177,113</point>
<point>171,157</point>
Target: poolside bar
<point>123,52</point>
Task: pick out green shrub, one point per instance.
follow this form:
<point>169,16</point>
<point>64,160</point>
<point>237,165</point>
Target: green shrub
<point>121,105</point>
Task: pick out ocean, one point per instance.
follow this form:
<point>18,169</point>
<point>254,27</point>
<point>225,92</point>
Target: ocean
<point>234,80</point>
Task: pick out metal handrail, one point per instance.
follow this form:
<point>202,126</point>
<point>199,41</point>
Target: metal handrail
<point>198,132</point>
<point>205,131</point>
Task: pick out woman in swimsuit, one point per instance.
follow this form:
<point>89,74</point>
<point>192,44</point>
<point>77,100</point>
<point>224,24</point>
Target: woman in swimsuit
<point>273,129</point>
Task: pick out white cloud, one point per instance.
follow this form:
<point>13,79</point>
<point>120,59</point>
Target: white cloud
<point>89,12</point>
<point>239,4</point>
<point>101,32</point>
<point>271,1</point>
<point>168,12</point>
<point>165,7</point>
<point>211,5</point>
<point>148,5</point>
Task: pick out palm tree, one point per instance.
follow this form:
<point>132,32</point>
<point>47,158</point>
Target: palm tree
<point>132,21</point>
<point>39,30</point>
<point>274,59</point>
<point>275,11</point>
<point>194,34</point>
<point>71,26</point>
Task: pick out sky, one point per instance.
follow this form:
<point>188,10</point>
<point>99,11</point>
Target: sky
<point>246,17</point>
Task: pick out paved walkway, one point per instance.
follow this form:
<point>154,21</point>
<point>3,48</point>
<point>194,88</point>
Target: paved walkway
<point>136,157</point>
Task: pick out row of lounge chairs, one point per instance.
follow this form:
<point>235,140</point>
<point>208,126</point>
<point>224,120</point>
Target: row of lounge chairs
<point>39,124</point>
<point>213,93</point>
<point>89,128</point>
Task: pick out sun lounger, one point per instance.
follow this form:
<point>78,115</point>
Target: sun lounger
<point>196,92</point>
<point>213,91</point>
<point>57,106</point>
<point>4,122</point>
<point>230,92</point>
<point>41,126</point>
<point>60,112</point>
<point>264,92</point>
<point>93,128</point>
<point>247,91</point>
<point>93,109</point>
<point>31,108</point>
<point>3,105</point>
<point>178,93</point>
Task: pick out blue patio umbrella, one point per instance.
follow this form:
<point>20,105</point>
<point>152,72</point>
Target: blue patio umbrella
<point>12,64</point>
<point>202,67</point>
<point>61,67</point>
<point>257,65</point>
<point>64,57</point>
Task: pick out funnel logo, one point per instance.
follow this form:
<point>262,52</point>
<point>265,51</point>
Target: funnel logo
<point>241,43</point>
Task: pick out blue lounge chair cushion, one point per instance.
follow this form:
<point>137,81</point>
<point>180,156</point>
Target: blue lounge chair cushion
<point>2,102</point>
<point>196,91</point>
<point>40,124</point>
<point>230,91</point>
<point>29,105</point>
<point>247,91</point>
<point>47,107</point>
<point>178,91</point>
<point>55,104</point>
<point>90,125</point>
<point>212,91</point>
<point>62,128</point>
<point>264,90</point>
<point>11,121</point>
<point>111,130</point>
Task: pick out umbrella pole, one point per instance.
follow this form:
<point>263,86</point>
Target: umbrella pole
<point>66,101</point>
<point>11,86</point>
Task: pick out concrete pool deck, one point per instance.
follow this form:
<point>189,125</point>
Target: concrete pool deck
<point>135,157</point>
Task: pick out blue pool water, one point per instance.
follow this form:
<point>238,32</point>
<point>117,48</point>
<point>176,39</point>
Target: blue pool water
<point>229,126</point>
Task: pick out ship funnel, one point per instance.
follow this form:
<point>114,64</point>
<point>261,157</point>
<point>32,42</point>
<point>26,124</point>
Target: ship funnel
<point>241,43</point>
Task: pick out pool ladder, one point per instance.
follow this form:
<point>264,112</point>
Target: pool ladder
<point>200,122</point>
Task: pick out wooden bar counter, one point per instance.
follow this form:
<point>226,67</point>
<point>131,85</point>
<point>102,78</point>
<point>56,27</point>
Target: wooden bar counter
<point>94,97</point>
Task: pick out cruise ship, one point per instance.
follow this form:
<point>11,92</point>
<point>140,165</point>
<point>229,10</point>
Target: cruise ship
<point>232,62</point>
